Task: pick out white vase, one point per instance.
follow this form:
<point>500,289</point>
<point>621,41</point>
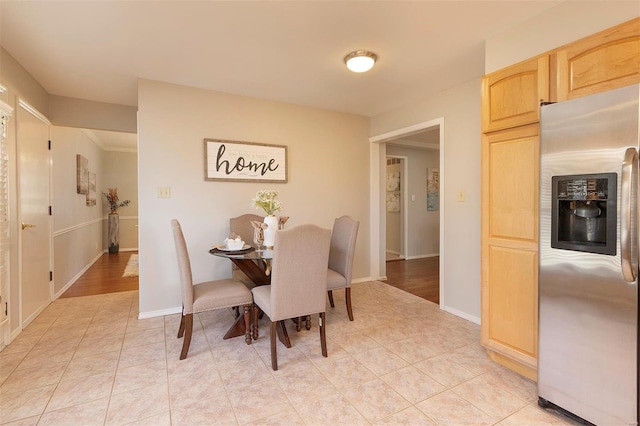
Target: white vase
<point>270,231</point>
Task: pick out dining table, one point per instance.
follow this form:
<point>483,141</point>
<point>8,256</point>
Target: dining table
<point>256,265</point>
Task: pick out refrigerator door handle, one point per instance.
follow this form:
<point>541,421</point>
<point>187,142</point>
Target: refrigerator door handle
<point>628,222</point>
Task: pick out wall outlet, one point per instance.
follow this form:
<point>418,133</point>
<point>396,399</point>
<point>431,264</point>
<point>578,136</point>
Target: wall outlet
<point>164,192</point>
<point>461,196</point>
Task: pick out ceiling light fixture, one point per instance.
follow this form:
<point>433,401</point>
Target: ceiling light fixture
<point>360,60</point>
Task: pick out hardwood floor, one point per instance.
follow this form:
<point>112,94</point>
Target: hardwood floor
<point>104,276</point>
<point>417,276</point>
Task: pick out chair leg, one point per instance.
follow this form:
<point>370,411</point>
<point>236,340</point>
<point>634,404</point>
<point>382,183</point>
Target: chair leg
<point>323,335</point>
<point>247,324</point>
<point>187,336</point>
<point>274,354</point>
<point>347,295</point>
<point>181,328</point>
<point>256,317</point>
<point>330,292</point>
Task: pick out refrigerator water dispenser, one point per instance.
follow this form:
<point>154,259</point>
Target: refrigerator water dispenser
<point>584,213</point>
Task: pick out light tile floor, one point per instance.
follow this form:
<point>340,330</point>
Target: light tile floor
<point>403,361</point>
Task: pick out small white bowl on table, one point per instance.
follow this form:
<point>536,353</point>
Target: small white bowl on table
<point>234,244</point>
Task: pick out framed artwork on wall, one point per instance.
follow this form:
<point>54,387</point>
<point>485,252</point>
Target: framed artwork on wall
<point>433,189</point>
<point>244,161</point>
<point>82,174</point>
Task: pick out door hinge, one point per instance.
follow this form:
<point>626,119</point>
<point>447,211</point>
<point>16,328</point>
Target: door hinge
<point>49,145</point>
<point>50,210</point>
<point>6,308</point>
<point>50,275</point>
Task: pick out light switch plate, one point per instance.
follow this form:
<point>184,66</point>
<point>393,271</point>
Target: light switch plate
<point>461,196</point>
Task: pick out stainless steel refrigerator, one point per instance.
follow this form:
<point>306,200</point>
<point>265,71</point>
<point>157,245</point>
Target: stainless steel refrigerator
<point>588,275</point>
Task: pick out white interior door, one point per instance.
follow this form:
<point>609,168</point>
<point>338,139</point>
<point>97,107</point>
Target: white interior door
<point>35,235</point>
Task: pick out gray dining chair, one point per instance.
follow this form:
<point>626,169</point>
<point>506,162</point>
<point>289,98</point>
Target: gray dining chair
<point>298,281</point>
<point>241,226</point>
<point>343,247</point>
<point>205,296</point>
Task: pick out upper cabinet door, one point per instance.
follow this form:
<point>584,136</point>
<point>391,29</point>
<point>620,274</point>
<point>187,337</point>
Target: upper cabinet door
<point>601,62</point>
<point>511,96</point>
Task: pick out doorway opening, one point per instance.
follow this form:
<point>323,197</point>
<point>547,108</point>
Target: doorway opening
<point>422,245</point>
<point>396,207</point>
<point>85,261</point>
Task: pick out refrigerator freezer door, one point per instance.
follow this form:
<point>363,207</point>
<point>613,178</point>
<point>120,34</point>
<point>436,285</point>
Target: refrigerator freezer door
<point>588,312</point>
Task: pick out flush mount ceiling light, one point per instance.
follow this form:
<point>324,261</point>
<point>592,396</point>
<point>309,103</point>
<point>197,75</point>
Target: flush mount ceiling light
<point>360,60</point>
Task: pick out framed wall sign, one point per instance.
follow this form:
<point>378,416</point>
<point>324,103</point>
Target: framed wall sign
<point>244,161</point>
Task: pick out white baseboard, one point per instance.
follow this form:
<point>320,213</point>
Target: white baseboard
<point>361,280</point>
<point>77,276</point>
<point>461,314</point>
<point>160,313</point>
<point>422,256</point>
<point>34,315</point>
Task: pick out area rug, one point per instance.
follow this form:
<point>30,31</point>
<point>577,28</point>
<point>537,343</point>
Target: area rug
<point>132,267</point>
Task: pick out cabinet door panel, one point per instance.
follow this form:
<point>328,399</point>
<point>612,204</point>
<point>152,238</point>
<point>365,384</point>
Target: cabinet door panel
<point>513,188</point>
<point>511,97</point>
<point>601,62</point>
<point>513,299</point>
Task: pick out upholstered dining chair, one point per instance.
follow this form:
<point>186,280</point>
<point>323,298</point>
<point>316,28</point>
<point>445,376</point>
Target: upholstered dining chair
<point>343,247</point>
<point>241,226</point>
<point>206,296</point>
<point>298,281</point>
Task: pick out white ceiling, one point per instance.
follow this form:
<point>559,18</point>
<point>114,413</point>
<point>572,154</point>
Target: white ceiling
<point>288,51</point>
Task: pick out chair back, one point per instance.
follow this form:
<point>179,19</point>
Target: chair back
<point>343,246</point>
<point>184,267</point>
<point>299,272</point>
<point>241,226</point>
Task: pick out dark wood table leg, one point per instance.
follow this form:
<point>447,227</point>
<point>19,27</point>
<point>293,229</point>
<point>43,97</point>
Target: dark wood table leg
<point>283,336</point>
<point>259,277</point>
<point>237,329</point>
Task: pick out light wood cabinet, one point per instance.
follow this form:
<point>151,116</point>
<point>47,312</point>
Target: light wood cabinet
<point>604,61</point>
<point>510,177</point>
<point>511,97</point>
<point>510,246</point>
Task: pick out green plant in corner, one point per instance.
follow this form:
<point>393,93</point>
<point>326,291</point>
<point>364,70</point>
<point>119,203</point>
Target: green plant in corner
<point>114,201</point>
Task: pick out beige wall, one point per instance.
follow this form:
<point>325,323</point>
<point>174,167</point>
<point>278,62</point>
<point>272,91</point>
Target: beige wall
<point>20,83</point>
<point>328,177</point>
<point>460,108</point>
<point>77,236</point>
<point>92,115</point>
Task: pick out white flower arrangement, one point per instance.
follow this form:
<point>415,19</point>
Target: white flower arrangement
<point>267,201</point>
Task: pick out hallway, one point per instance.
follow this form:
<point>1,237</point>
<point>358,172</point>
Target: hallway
<point>419,277</point>
<point>104,276</point>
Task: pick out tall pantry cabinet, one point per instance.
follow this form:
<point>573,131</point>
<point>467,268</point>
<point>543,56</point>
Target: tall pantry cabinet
<point>511,100</point>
